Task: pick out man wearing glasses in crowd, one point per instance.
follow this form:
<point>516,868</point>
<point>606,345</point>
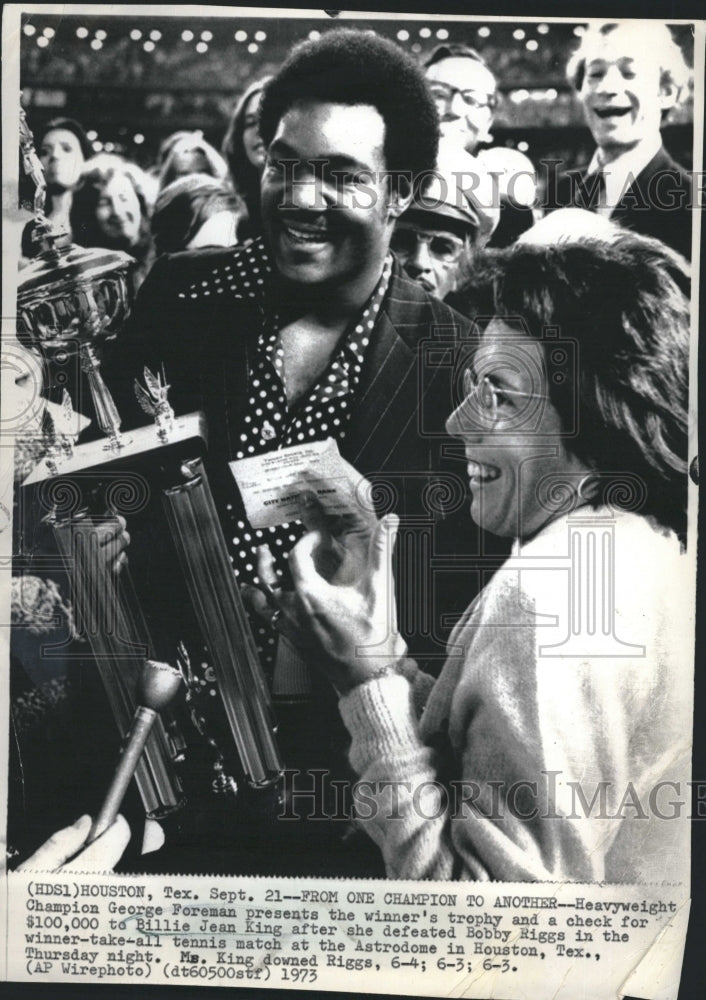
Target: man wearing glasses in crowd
<point>465,93</point>
<point>443,227</point>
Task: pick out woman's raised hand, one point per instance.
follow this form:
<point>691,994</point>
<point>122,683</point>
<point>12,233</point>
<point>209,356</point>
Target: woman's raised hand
<point>341,614</point>
<point>345,600</point>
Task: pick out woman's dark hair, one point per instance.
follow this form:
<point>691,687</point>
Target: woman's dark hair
<point>244,175</point>
<point>344,66</point>
<point>69,125</point>
<point>29,247</point>
<point>184,206</point>
<point>625,306</point>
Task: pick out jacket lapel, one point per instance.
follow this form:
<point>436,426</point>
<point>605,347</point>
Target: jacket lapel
<point>385,424</point>
<point>637,197</point>
<point>386,408</point>
<point>584,189</point>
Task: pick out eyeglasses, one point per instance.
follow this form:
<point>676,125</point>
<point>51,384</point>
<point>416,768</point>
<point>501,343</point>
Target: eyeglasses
<point>491,403</point>
<point>443,246</point>
<point>444,93</point>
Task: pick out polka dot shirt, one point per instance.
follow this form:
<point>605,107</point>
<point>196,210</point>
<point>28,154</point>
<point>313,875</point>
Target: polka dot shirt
<point>268,422</point>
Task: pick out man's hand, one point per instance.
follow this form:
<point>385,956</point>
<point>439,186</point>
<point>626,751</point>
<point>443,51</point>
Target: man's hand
<point>112,539</point>
<point>57,853</point>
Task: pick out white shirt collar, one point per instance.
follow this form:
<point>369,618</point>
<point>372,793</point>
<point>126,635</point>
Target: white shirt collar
<point>621,172</point>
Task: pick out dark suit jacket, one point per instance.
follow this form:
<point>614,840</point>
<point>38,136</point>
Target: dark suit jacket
<point>395,435</point>
<point>206,347</point>
<point>657,204</point>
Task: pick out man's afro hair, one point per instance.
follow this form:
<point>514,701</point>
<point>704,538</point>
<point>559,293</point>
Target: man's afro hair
<point>345,66</point>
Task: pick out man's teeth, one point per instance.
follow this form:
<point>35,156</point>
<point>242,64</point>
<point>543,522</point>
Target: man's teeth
<point>611,112</point>
<point>486,473</point>
<point>305,235</point>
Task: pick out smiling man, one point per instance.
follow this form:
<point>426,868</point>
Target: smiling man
<point>314,331</point>
<point>628,76</point>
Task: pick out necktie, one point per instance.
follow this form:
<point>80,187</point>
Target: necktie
<point>592,192</point>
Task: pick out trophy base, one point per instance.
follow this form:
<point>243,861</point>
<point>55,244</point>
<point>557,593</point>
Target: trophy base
<point>118,444</point>
<point>136,445</point>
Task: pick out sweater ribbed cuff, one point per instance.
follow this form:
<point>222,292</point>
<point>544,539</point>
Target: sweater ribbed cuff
<point>379,715</point>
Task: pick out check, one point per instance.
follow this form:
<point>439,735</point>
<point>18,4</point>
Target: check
<point>273,485</point>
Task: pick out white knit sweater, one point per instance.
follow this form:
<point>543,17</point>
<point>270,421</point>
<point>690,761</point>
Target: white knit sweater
<point>516,704</point>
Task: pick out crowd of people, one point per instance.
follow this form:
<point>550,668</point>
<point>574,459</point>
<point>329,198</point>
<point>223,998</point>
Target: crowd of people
<point>118,204</point>
<point>358,208</point>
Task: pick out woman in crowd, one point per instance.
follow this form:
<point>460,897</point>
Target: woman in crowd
<point>560,712</point>
<point>110,209</point>
<point>62,150</point>
<point>184,153</point>
<point>245,152</point>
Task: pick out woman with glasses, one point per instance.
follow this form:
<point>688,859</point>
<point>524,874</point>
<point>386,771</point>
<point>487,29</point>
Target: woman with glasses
<point>555,743</point>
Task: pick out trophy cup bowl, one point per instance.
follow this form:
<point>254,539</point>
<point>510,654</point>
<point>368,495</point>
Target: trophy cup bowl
<point>74,298</point>
<point>73,295</point>
<point>70,297</point>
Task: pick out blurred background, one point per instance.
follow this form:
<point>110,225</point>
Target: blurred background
<point>133,80</point>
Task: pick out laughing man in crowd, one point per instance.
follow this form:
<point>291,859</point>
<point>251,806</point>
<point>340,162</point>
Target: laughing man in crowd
<point>628,76</point>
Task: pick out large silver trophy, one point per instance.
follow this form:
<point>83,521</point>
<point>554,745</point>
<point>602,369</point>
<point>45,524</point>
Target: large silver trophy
<point>72,298</point>
<point>75,299</point>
